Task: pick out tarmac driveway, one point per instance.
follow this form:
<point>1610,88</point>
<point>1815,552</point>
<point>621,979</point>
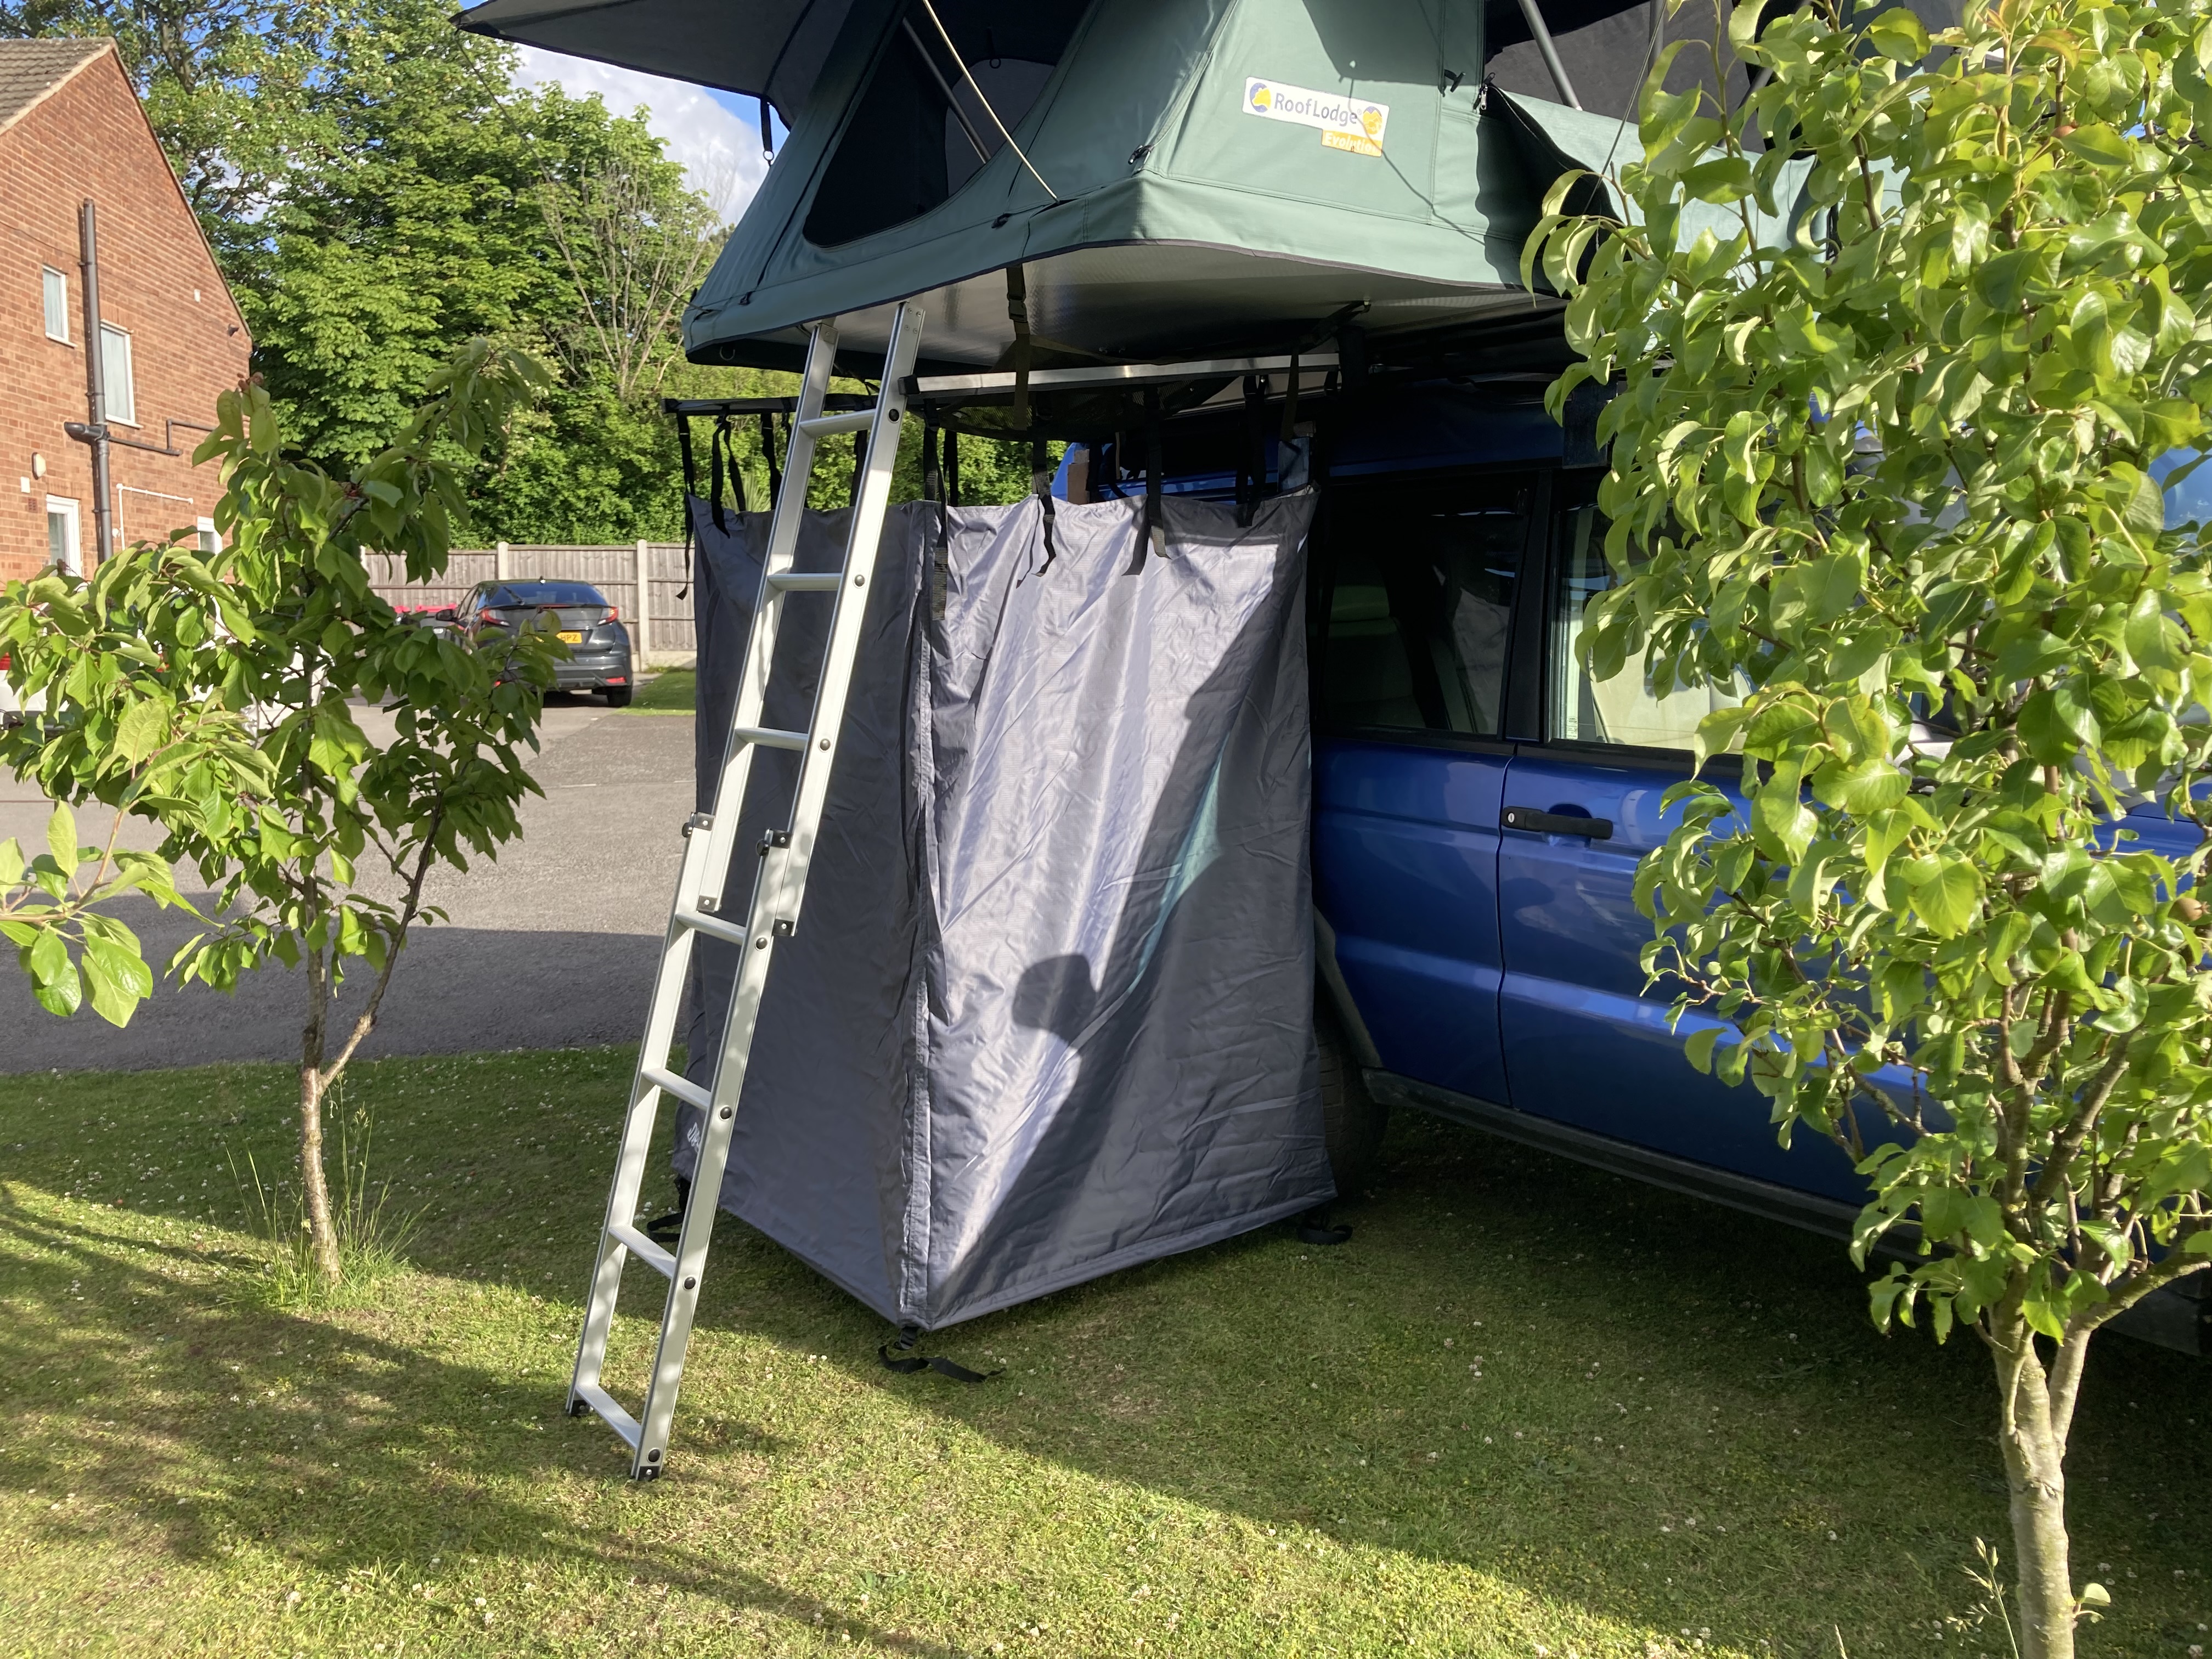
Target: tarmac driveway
<point>552,945</point>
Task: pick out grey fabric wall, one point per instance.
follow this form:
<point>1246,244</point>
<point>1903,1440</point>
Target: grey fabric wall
<point>1048,1011</point>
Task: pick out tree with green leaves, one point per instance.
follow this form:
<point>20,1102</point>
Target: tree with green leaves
<point>317,841</point>
<point>1893,478</point>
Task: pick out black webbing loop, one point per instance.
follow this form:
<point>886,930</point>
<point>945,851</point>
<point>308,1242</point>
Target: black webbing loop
<point>1252,469</point>
<point>1153,528</point>
<point>932,490</point>
<point>907,1362</point>
<point>1291,403</point>
<point>1017,313</point>
<point>726,435</point>
<point>716,449</point>
<point>666,1229</point>
<point>1041,482</point>
<point>952,467</point>
<point>691,492</point>
<point>859,463</point>
<point>768,453</point>
<point>1314,1229</point>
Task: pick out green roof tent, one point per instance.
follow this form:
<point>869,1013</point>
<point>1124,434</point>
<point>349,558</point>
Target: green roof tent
<point>1186,177</point>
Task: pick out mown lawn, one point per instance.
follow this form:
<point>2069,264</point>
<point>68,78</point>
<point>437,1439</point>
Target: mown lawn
<point>1683,1431</point>
<point>670,691</point>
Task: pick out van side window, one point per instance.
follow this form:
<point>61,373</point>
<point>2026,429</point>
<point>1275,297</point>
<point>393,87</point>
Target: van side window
<point>1419,600</point>
<point>1623,709</point>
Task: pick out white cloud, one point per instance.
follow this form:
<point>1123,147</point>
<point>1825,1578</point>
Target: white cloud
<point>719,149</point>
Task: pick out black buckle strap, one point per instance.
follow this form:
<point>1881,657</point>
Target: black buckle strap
<point>906,1362</point>
<point>1313,1228</point>
<point>1153,525</point>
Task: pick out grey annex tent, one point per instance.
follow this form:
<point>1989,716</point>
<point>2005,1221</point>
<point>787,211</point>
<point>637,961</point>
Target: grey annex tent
<point>1186,176</point>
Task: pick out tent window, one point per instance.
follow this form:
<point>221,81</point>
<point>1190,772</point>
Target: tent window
<point>906,148</point>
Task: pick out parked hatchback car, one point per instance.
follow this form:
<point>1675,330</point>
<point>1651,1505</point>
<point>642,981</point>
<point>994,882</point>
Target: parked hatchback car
<point>599,657</point>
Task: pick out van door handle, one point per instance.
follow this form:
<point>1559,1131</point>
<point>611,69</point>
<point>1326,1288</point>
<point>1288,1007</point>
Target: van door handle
<point>1555,823</point>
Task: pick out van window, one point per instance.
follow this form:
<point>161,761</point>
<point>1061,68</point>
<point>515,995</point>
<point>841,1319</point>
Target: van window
<point>907,145</point>
<point>1419,604</point>
<point>1623,709</point>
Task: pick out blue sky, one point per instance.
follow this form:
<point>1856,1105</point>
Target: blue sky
<point>716,135</point>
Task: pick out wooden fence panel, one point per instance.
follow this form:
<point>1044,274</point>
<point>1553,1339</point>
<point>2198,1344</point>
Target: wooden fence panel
<point>613,570</point>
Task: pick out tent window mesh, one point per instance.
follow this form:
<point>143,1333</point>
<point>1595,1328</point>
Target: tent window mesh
<point>907,147</point>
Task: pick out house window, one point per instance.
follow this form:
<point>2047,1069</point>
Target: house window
<point>63,548</point>
<point>55,287</point>
<point>116,383</point>
<point>211,540</point>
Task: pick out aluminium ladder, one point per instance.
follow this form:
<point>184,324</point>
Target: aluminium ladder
<point>701,904</point>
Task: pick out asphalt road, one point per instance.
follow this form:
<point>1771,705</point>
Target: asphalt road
<point>552,945</point>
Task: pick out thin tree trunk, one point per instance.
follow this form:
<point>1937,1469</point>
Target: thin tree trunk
<point>314,1189</point>
<point>2035,1471</point>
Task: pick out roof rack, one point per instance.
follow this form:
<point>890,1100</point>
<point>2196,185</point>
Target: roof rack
<point>1113,374</point>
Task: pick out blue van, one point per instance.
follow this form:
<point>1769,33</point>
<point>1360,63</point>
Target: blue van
<point>1480,810</point>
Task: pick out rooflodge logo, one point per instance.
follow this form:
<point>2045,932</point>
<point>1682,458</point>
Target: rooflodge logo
<point>1351,125</point>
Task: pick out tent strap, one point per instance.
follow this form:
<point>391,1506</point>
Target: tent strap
<point>1041,482</point>
<point>1017,313</point>
<point>900,1357</point>
<point>691,492</point>
<point>1154,536</point>
<point>768,453</point>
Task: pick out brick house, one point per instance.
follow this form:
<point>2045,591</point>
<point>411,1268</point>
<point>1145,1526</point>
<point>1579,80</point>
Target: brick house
<point>71,128</point>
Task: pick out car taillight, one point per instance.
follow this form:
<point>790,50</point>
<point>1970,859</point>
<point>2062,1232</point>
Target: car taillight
<point>496,618</point>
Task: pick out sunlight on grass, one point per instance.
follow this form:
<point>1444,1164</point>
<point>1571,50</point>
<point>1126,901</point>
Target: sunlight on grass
<point>670,691</point>
<point>1528,1407</point>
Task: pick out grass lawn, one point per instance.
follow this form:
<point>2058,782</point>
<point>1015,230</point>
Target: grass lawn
<point>1683,1424</point>
<point>670,691</point>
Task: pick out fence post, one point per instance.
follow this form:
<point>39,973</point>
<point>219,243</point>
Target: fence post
<point>500,568</point>
<point>644,605</point>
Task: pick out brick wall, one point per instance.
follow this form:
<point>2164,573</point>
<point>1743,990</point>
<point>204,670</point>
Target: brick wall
<point>157,281</point>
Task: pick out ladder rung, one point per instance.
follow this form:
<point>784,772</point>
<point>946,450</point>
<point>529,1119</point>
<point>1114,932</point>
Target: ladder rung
<point>713,926</point>
<point>603,1403</point>
<point>807,581</point>
<point>660,1260</point>
<point>824,426</point>
<point>682,1088</point>
<point>769,738</point>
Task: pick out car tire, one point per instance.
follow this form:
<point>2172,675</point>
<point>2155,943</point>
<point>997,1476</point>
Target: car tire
<point>1353,1119</point>
<point>618,695</point>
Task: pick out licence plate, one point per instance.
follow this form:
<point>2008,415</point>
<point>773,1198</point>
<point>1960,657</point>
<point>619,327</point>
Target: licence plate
<point>571,636</point>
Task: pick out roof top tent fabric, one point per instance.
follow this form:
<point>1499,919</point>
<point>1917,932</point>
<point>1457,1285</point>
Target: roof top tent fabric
<point>1047,1013</point>
<point>1201,176</point>
<point>1221,172</point>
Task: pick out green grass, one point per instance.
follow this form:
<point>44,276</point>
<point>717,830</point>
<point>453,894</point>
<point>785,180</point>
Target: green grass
<point>670,691</point>
<point>1683,1423</point>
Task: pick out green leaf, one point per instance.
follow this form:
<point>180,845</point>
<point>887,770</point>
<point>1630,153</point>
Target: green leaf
<point>1867,786</point>
<point>1699,1047</point>
<point>1897,35</point>
<point>11,865</point>
<point>1949,900</point>
<point>143,729</point>
<point>61,838</point>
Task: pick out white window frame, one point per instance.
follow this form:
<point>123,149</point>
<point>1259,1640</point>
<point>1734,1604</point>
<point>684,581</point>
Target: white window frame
<point>68,508</point>
<point>110,337</point>
<point>49,281</point>
<point>210,540</point>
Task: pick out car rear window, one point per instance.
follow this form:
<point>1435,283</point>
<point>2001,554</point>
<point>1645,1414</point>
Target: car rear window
<point>545,593</point>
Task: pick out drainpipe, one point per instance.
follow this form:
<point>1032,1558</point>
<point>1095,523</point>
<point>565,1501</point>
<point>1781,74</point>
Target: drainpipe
<point>95,379</point>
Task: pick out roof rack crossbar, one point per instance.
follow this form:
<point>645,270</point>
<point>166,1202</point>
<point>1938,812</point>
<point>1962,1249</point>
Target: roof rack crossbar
<point>845,401</point>
<point>1115,374</point>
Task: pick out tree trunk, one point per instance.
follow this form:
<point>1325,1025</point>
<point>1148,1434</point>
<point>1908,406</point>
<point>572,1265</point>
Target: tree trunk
<point>314,1190</point>
<point>2035,1471</point>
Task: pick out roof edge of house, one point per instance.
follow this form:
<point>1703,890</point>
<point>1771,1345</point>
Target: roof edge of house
<point>102,46</point>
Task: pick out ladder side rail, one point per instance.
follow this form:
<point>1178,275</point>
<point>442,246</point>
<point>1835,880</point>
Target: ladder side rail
<point>786,877</point>
<point>637,1132</point>
<point>654,1421</point>
<point>768,615</point>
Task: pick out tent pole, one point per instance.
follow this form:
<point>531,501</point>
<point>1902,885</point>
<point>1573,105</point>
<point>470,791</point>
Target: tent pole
<point>1550,53</point>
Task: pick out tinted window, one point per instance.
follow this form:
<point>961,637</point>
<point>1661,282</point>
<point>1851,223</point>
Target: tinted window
<point>908,146</point>
<point>1420,602</point>
<point>1623,709</point>
<point>541,594</point>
